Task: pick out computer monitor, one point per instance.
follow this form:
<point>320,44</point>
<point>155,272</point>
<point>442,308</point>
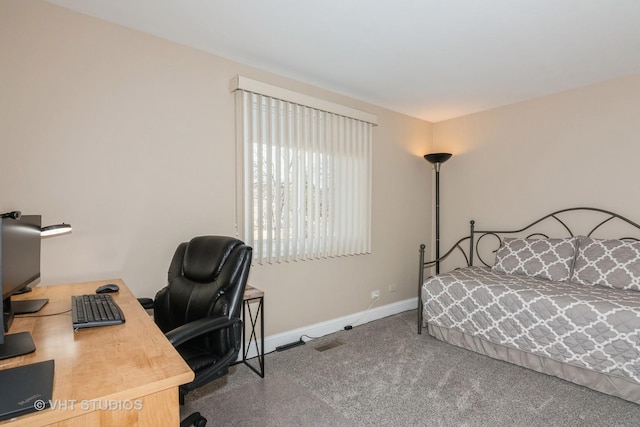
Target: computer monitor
<point>20,243</point>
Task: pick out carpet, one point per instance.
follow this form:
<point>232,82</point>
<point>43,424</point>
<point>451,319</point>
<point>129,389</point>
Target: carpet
<point>384,374</point>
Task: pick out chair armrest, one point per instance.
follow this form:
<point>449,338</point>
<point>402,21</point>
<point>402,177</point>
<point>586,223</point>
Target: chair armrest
<point>191,330</point>
<point>146,303</point>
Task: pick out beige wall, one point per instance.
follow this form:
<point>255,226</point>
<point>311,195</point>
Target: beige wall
<point>130,138</point>
<point>514,164</point>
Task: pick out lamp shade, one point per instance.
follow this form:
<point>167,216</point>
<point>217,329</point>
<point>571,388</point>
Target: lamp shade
<point>437,157</point>
<point>54,230</point>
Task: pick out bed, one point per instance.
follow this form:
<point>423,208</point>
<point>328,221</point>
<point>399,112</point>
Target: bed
<point>560,296</point>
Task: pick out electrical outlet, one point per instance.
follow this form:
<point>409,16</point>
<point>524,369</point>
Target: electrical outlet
<point>375,295</point>
<point>393,287</point>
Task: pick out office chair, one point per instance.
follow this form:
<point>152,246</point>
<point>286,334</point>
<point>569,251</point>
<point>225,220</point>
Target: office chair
<point>199,309</point>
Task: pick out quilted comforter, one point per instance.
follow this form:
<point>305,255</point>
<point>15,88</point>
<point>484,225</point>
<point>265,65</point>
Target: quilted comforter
<point>590,327</point>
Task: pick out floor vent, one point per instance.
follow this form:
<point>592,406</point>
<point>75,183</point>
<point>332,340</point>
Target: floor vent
<point>329,345</point>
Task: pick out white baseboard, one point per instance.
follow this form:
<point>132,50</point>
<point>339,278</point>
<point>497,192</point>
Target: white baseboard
<point>334,325</point>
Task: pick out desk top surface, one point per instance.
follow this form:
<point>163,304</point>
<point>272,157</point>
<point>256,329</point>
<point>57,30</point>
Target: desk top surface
<point>104,363</point>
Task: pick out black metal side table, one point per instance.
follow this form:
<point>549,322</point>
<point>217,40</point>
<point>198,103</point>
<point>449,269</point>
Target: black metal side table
<point>251,296</point>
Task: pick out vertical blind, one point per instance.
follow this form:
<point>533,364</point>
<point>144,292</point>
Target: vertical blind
<point>304,188</point>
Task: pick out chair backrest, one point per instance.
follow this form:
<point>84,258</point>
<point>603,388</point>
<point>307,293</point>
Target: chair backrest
<point>207,277</point>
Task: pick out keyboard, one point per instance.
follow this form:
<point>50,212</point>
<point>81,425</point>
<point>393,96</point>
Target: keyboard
<point>93,310</point>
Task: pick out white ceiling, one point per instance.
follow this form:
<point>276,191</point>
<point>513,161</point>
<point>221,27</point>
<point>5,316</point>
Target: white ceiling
<point>431,59</point>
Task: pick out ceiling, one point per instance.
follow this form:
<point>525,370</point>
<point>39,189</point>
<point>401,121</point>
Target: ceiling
<point>430,59</point>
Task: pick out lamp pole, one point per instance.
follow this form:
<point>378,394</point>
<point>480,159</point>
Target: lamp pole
<point>437,159</point>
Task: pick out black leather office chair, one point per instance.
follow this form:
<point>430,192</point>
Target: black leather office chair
<point>199,309</point>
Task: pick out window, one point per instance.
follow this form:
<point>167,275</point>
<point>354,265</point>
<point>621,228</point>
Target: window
<point>304,183</point>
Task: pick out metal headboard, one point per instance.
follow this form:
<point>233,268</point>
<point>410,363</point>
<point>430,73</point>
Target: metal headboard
<point>555,224</point>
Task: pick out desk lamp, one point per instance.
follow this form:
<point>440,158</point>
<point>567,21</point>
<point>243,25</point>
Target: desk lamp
<point>48,231</point>
<point>55,230</point>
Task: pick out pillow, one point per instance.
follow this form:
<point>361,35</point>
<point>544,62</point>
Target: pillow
<point>609,263</point>
<point>549,259</point>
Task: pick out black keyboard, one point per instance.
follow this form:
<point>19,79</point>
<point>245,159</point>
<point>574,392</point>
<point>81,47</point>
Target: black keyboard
<point>92,310</point>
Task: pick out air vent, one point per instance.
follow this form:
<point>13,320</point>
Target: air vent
<point>329,345</point>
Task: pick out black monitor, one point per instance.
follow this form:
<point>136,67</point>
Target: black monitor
<point>19,266</point>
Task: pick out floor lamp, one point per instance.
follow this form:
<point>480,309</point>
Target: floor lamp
<point>437,159</point>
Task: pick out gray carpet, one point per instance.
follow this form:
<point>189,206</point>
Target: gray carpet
<point>384,374</point>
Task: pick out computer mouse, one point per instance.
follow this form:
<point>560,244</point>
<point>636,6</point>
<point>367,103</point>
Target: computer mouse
<point>108,288</point>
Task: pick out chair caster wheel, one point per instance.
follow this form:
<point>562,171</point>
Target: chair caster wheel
<point>194,419</point>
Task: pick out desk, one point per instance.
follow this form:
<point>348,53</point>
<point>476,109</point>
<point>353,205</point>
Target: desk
<point>98,370</point>
<point>252,295</point>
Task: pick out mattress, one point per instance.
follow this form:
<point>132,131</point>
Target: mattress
<point>572,331</point>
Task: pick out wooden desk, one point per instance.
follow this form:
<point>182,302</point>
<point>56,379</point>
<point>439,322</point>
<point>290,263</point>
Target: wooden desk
<point>123,375</point>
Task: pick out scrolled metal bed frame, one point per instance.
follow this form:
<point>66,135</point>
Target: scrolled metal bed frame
<point>475,237</point>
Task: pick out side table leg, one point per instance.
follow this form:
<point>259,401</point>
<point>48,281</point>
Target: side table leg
<point>253,338</point>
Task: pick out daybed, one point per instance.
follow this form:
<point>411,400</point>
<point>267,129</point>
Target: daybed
<point>567,306</point>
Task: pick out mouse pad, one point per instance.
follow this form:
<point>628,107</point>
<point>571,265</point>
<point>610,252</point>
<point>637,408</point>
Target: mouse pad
<point>25,389</point>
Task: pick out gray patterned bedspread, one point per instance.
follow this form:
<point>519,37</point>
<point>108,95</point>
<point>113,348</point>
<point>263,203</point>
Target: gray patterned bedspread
<point>587,326</point>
